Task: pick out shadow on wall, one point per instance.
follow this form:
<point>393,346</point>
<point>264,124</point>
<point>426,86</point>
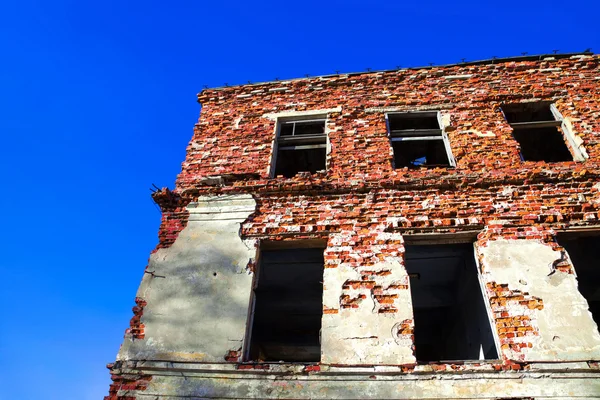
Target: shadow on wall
<point>197,304</point>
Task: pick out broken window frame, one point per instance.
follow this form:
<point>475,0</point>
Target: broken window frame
<point>268,246</point>
<point>461,238</point>
<point>558,122</point>
<point>399,135</point>
<point>299,142</point>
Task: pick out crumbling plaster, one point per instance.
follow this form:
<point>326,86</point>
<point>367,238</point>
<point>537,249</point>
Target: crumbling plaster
<point>481,386</point>
<point>196,322</point>
<point>198,292</point>
<point>567,331</point>
<point>362,335</point>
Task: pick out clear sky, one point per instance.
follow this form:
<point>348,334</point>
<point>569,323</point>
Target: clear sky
<point>98,103</point>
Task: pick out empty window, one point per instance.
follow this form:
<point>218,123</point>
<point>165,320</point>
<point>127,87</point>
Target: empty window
<point>418,140</point>
<point>301,146</point>
<point>584,253</point>
<point>451,319</point>
<point>288,306</point>
<point>537,128</point>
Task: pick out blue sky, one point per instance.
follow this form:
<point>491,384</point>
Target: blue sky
<point>98,103</point>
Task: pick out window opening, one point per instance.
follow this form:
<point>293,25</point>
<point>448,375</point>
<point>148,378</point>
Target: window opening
<point>301,146</point>
<point>288,306</point>
<point>584,252</point>
<point>418,140</point>
<point>451,319</point>
<point>538,131</point>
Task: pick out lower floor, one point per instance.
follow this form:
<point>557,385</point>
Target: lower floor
<point>387,294</point>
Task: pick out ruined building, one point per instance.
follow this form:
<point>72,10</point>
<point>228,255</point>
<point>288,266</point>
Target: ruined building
<point>416,233</point>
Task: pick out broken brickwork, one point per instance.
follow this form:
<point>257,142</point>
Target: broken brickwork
<point>363,211</point>
<point>513,314</point>
<point>360,149</point>
<point>126,383</point>
<point>136,328</point>
<point>174,216</point>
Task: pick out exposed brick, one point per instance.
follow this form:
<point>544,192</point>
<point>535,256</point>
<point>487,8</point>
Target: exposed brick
<point>136,328</point>
<point>124,386</point>
<point>362,207</point>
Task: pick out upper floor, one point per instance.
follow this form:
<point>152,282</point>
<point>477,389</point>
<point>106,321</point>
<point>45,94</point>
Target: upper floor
<point>498,120</point>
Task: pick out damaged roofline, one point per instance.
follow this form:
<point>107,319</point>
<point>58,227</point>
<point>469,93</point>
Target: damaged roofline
<point>539,57</point>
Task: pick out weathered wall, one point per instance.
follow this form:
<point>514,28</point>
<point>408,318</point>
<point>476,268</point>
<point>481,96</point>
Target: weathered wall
<point>196,292</point>
<point>566,330</point>
<point>177,380</point>
<point>366,287</point>
<point>225,204</point>
<point>236,130</point>
<point>366,304</point>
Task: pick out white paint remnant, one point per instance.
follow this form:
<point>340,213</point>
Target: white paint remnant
<point>278,89</point>
<point>458,77</point>
<point>288,114</point>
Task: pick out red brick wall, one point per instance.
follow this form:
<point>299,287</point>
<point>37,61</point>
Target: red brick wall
<point>234,137</point>
<point>361,200</point>
<point>361,206</point>
<point>363,230</point>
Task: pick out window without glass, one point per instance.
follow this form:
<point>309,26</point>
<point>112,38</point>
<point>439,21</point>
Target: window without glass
<point>301,146</point>
<point>538,128</point>
<point>584,252</point>
<point>288,306</point>
<point>451,319</point>
<point>418,140</point>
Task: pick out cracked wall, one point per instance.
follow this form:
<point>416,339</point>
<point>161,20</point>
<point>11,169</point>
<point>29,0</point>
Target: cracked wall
<point>188,331</point>
<point>198,293</point>
<point>555,321</point>
<point>237,122</point>
<point>366,298</point>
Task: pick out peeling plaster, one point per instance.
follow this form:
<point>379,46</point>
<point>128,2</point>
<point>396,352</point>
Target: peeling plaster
<point>567,331</point>
<point>201,304</point>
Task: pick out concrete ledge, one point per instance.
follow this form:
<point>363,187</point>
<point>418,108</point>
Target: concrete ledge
<point>476,369</point>
<point>181,380</point>
<point>208,208</point>
<point>288,114</point>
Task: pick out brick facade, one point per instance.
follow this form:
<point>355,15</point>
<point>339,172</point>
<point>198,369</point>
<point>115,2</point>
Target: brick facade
<point>365,210</point>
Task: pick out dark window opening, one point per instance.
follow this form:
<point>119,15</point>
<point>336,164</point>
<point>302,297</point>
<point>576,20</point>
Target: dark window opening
<point>542,144</point>
<point>537,131</point>
<point>301,147</point>
<point>417,140</point>
<point>584,253</point>
<point>413,121</point>
<point>419,153</point>
<point>288,306</point>
<point>290,162</point>
<point>451,319</point>
<point>295,128</point>
<point>527,112</point>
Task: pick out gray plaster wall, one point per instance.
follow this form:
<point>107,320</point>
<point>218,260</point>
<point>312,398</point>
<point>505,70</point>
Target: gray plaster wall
<point>197,301</point>
<point>567,331</point>
<point>362,335</point>
<point>375,386</point>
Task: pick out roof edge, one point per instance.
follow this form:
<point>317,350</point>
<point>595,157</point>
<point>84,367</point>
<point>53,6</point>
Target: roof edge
<point>539,57</point>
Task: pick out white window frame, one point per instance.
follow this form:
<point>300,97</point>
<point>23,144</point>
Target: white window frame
<point>299,142</point>
<point>576,151</point>
<point>425,134</point>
